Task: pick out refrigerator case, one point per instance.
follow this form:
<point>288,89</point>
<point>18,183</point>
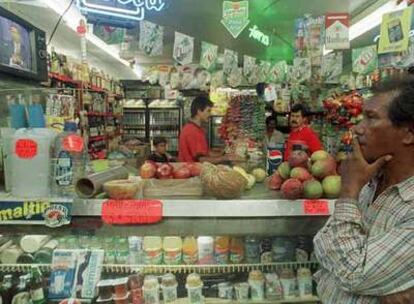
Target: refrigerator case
<point>166,122</point>
<point>214,139</point>
<point>134,123</point>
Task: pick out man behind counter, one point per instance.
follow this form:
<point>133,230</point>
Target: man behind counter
<point>193,146</point>
<point>301,133</point>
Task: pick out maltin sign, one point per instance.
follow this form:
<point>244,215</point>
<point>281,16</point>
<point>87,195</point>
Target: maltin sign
<point>125,9</point>
<point>235,16</point>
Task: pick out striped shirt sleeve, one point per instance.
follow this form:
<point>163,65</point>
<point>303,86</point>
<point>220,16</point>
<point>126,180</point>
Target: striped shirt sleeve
<point>366,265</point>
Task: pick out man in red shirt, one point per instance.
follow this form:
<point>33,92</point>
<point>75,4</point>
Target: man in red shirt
<point>193,146</point>
<point>301,133</point>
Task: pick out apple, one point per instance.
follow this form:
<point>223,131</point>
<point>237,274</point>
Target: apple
<point>165,171</point>
<point>182,173</point>
<point>148,170</point>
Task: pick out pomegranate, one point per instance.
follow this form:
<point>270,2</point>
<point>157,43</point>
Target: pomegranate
<point>195,168</point>
<point>182,173</point>
<point>274,182</point>
<point>165,171</point>
<point>148,170</point>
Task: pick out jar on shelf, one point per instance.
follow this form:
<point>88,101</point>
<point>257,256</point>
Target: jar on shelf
<point>256,282</point>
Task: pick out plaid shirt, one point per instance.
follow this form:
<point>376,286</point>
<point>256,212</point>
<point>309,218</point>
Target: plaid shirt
<point>366,248</point>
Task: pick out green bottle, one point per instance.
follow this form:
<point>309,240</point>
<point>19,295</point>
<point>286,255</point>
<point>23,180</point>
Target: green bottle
<point>6,289</point>
<point>22,295</point>
<point>36,286</point>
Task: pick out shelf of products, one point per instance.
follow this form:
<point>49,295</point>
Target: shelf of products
<point>151,122</point>
<point>161,269</point>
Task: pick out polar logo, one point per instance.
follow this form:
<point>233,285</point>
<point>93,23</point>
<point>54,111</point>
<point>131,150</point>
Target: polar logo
<point>126,9</point>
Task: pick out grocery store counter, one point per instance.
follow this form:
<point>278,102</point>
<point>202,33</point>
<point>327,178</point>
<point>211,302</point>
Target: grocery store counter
<point>258,211</point>
<point>257,202</point>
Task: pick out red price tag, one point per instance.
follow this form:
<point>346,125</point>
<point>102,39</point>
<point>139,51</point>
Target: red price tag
<point>316,207</point>
<point>131,211</point>
<point>73,143</point>
<point>26,148</point>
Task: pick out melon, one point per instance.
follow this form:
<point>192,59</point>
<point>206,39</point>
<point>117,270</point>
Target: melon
<point>223,182</point>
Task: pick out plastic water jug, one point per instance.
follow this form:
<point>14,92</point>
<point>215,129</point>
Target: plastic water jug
<point>31,163</point>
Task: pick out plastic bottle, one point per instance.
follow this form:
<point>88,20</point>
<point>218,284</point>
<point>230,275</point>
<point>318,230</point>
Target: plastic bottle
<point>236,250</point>
<point>152,250</point>
<point>221,249</point>
<point>205,250</point>
<point>70,160</point>
<point>172,246</point>
<point>252,250</point>
<point>190,250</point>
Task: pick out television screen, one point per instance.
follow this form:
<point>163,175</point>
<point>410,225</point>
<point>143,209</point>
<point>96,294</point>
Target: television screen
<point>15,45</point>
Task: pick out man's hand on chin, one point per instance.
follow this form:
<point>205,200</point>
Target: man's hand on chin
<point>405,297</point>
<point>356,171</point>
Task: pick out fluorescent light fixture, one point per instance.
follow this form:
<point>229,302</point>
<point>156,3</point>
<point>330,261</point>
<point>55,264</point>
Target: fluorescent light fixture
<point>374,19</point>
<point>72,18</point>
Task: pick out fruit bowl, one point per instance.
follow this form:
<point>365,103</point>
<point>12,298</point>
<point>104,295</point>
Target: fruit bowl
<point>121,189</point>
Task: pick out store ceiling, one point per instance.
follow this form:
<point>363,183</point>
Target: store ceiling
<point>201,19</point>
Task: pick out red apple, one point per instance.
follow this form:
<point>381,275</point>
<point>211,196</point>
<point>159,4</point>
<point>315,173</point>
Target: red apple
<point>148,170</point>
<point>165,171</point>
<point>182,173</point>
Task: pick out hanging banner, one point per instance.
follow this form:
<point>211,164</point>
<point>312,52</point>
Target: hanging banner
<point>235,16</point>
<point>365,60</point>
<point>109,34</point>
<point>249,64</point>
<point>278,72</point>
<point>310,38</point>
<point>209,55</point>
<point>230,61</point>
<point>399,59</point>
<point>337,31</point>
<point>183,48</point>
<point>300,37</point>
<point>302,70</point>
<point>332,65</point>
<point>316,28</point>
<point>395,28</point>
<point>151,38</point>
<point>265,67</point>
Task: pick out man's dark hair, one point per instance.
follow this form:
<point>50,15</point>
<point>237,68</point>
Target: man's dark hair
<point>299,107</point>
<point>269,119</point>
<point>159,140</point>
<point>401,109</point>
<point>260,89</point>
<point>200,103</point>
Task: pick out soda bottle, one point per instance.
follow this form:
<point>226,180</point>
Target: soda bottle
<point>6,289</point>
<point>22,295</point>
<point>36,286</point>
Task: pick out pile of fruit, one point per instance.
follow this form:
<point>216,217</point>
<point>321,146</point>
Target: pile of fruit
<point>152,169</point>
<point>244,118</point>
<point>304,177</point>
<point>344,110</point>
